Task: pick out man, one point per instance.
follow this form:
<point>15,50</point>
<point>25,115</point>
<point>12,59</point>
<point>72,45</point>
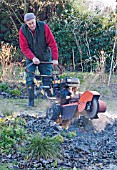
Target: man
<point>38,44</point>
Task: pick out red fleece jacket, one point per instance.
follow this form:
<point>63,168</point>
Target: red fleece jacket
<point>49,39</point>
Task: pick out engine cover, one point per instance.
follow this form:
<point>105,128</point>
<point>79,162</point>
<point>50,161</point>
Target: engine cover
<point>70,82</point>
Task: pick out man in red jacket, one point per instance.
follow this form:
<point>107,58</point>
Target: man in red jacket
<point>38,44</point>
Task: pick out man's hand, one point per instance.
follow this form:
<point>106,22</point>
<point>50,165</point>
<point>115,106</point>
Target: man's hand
<point>55,62</point>
<point>36,60</point>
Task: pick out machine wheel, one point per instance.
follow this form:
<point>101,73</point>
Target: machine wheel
<point>49,93</point>
<point>94,108</point>
<point>53,112</point>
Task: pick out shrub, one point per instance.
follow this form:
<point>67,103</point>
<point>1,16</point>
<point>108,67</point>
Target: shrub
<point>4,87</point>
<point>69,135</point>
<point>16,92</point>
<point>11,135</point>
<point>44,147</point>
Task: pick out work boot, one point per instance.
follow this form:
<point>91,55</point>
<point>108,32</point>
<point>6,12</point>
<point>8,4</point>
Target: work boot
<point>31,95</point>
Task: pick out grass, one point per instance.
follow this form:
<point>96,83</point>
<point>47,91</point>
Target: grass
<point>6,111</point>
<point>112,107</point>
<point>44,147</point>
<point>4,166</point>
<point>19,106</point>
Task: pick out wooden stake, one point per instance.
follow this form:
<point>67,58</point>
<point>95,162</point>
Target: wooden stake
<point>73,59</point>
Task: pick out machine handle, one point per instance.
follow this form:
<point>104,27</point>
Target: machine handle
<point>42,62</point>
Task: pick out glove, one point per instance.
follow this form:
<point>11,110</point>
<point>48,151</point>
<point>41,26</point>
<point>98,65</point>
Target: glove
<point>36,60</point>
<point>55,62</point>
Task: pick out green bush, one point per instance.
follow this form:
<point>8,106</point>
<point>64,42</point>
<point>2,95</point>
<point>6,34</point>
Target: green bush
<point>15,92</point>
<point>69,135</point>
<point>4,87</point>
<point>11,135</point>
<point>44,147</point>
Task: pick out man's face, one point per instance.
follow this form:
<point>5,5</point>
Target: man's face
<point>31,24</point>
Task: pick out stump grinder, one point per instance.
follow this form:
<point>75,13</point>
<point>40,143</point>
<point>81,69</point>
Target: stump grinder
<point>67,102</point>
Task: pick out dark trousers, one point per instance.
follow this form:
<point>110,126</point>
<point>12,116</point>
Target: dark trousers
<point>44,69</point>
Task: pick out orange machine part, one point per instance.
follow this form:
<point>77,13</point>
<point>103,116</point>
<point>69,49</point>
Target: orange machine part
<point>85,97</point>
<point>102,106</point>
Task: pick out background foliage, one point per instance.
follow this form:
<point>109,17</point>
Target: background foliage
<point>78,32</point>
